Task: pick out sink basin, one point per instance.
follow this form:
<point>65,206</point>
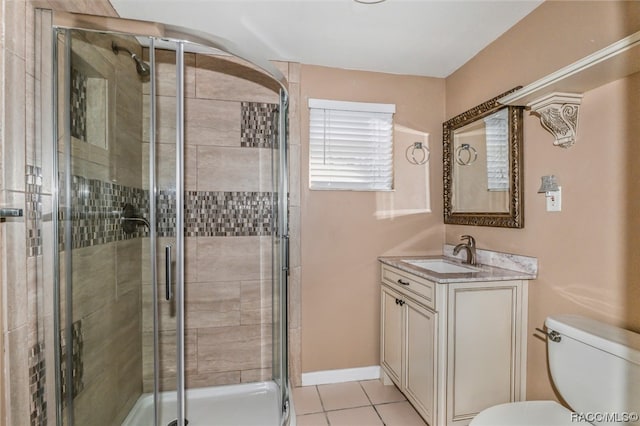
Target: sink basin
<point>441,266</point>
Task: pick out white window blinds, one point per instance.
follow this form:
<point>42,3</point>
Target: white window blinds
<point>350,145</point>
<point>497,136</point>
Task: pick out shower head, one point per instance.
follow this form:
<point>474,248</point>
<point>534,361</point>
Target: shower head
<point>142,67</point>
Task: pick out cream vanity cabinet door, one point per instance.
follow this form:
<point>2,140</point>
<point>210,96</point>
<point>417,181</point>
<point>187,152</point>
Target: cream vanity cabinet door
<point>420,354</point>
<point>408,343</point>
<point>486,346</point>
<point>392,335</point>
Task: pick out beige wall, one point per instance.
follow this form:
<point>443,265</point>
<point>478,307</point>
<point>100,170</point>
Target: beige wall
<point>588,253</point>
<point>343,232</point>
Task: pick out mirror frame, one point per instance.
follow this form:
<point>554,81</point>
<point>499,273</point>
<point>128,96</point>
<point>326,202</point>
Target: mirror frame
<point>514,218</point>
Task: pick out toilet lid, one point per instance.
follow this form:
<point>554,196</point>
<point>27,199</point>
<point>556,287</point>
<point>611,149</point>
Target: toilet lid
<point>526,413</point>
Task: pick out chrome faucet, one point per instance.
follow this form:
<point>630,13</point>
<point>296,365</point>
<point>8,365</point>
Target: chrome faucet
<point>470,246</point>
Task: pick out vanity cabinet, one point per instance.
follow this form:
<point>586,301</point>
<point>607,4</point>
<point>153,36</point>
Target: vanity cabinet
<point>408,343</point>
<point>453,348</point>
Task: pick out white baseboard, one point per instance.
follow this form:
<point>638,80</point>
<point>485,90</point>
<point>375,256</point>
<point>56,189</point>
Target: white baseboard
<point>340,376</point>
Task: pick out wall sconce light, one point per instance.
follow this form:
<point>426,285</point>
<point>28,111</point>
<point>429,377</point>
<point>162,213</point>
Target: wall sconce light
<point>552,192</point>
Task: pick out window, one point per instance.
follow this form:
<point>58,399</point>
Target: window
<point>350,145</point>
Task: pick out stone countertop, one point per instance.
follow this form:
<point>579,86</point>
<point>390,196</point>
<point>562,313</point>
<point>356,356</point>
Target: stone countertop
<point>484,273</point>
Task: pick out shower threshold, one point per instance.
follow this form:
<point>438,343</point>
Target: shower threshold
<point>249,404</point>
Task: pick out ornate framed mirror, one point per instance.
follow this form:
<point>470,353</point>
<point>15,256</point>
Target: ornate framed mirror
<point>482,155</point>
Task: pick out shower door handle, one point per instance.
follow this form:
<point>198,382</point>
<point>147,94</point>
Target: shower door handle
<point>286,242</point>
<point>167,272</point>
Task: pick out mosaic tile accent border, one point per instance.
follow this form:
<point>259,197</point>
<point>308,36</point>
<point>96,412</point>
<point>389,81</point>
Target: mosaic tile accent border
<point>37,385</point>
<point>78,105</point>
<point>217,214</point>
<point>96,209</point>
<point>166,214</point>
<point>77,361</point>
<point>227,214</point>
<point>258,127</point>
<point>33,209</point>
<point>97,206</point>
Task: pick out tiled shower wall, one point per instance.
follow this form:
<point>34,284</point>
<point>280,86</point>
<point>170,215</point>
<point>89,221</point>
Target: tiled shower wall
<point>229,130</point>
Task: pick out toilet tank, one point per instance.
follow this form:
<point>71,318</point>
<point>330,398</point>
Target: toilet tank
<point>596,368</point>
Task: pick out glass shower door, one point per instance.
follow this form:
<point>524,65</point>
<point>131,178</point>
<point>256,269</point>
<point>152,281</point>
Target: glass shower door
<point>102,227</point>
<point>166,174</point>
<point>280,255</point>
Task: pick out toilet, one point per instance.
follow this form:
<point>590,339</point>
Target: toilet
<point>594,366</point>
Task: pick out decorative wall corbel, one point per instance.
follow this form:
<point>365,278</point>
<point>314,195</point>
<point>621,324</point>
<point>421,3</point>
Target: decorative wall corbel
<point>558,114</point>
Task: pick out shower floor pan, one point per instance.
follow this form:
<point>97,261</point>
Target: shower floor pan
<point>250,404</point>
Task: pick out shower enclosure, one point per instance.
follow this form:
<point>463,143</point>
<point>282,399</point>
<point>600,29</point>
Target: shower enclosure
<point>169,172</point>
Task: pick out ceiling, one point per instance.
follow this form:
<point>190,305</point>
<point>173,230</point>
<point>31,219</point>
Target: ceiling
<point>416,37</point>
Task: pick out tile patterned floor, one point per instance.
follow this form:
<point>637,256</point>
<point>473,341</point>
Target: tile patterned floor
<point>365,403</point>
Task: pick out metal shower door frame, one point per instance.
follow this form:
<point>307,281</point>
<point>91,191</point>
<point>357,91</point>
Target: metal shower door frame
<point>283,234</point>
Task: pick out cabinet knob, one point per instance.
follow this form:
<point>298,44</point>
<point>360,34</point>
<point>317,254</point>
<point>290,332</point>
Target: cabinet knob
<point>403,282</point>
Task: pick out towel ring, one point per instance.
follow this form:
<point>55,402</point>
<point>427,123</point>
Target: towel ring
<point>466,154</point>
<point>422,158</point>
